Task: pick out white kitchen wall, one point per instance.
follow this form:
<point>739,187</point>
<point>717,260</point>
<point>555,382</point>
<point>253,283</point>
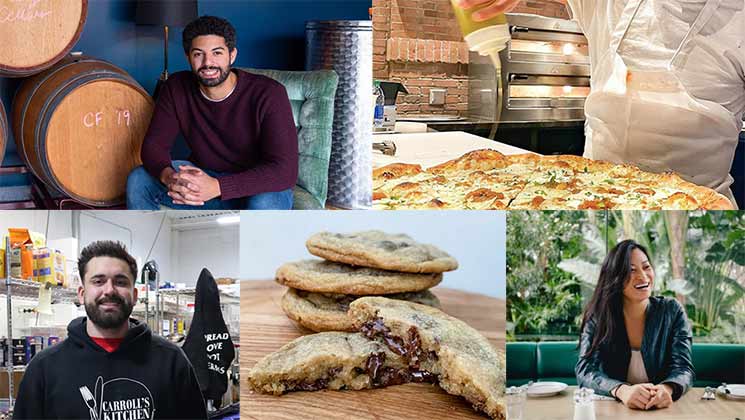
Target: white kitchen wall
<point>215,248</point>
<point>475,238</point>
<point>60,222</point>
<point>135,227</point>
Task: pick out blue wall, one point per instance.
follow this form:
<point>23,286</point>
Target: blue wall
<point>271,34</point>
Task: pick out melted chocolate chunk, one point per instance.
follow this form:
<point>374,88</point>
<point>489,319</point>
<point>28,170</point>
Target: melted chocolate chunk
<point>390,376</point>
<point>414,348</point>
<point>423,376</point>
<point>374,328</point>
<point>386,376</point>
<point>373,364</point>
<point>307,386</point>
<point>318,384</point>
<point>396,344</point>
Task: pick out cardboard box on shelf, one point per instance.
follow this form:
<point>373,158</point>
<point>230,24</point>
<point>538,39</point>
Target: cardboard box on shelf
<point>27,262</point>
<point>22,244</point>
<point>15,262</point>
<point>69,248</point>
<point>50,267</point>
<point>225,280</point>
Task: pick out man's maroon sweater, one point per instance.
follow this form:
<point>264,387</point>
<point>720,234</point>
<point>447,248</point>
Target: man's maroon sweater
<point>250,136</point>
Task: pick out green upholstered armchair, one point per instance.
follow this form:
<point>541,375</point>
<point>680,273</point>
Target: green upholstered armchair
<point>311,95</point>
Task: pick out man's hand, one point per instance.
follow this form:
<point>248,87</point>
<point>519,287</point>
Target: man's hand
<point>635,396</point>
<point>193,187</point>
<point>662,397</point>
<point>497,7</point>
<point>167,176</point>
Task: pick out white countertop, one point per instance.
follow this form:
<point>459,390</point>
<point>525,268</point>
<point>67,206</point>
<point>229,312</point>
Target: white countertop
<point>430,149</point>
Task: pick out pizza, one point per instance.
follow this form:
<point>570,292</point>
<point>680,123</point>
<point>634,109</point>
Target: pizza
<point>488,180</point>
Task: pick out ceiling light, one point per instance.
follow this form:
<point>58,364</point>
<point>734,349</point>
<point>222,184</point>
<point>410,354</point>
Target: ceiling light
<point>229,220</point>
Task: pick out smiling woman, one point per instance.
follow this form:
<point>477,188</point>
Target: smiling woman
<point>634,347</point>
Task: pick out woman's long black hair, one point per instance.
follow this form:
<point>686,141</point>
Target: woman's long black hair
<point>606,305</point>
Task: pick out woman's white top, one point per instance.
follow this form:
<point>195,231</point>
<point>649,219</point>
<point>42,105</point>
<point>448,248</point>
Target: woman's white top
<point>637,373</point>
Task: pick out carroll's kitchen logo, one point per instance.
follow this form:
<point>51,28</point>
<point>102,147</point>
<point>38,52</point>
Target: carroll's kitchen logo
<point>118,399</point>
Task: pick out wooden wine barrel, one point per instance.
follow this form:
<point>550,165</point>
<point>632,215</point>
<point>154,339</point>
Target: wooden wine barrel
<point>79,127</point>
<point>36,34</point>
<point>3,132</point>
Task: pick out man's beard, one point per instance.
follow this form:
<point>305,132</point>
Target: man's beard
<point>223,75</point>
<point>112,319</point>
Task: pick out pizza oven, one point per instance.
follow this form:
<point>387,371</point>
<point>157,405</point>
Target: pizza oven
<point>545,74</point>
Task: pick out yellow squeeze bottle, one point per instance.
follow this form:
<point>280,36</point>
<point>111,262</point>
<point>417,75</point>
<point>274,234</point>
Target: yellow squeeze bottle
<point>486,38</point>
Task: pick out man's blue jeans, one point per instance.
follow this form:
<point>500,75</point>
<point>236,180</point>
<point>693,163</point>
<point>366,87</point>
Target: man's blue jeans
<point>145,192</point>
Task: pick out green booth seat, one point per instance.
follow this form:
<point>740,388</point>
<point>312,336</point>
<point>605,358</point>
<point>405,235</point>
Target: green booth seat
<point>521,363</point>
<point>311,95</point>
<point>555,361</point>
<point>717,363</point>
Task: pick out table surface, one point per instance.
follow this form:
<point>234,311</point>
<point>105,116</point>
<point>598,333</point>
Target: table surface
<point>689,407</point>
<point>430,149</point>
<point>265,328</point>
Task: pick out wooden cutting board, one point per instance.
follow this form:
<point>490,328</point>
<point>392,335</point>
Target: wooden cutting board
<point>265,328</point>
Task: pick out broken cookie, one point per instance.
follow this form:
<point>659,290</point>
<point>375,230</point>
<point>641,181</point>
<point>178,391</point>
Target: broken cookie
<point>431,341</point>
<point>331,360</point>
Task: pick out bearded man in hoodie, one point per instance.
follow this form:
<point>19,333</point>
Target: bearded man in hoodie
<point>110,367</point>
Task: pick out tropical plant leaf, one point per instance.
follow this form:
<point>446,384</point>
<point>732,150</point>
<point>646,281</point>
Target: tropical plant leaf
<point>595,242</point>
<point>680,287</point>
<point>586,271</point>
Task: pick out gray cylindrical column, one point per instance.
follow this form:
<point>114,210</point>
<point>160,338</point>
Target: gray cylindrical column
<point>345,46</point>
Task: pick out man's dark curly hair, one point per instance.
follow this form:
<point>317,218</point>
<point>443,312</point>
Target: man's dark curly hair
<point>209,25</point>
<point>106,249</point>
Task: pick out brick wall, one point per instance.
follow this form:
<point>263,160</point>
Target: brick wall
<point>418,43</point>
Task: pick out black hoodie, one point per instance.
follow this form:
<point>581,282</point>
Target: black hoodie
<point>208,345</point>
<point>146,377</point>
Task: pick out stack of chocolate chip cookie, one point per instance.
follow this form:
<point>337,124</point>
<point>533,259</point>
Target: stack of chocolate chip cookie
<point>369,263</point>
<point>375,284</point>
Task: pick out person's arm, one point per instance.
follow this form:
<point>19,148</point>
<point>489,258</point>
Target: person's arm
<point>31,395</point>
<point>681,373</point>
<point>590,374</point>
<point>160,137</point>
<point>589,368</point>
<point>495,9</point>
<point>277,167</point>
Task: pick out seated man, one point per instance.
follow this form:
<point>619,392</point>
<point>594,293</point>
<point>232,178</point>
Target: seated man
<point>110,366</point>
<point>239,127</point>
